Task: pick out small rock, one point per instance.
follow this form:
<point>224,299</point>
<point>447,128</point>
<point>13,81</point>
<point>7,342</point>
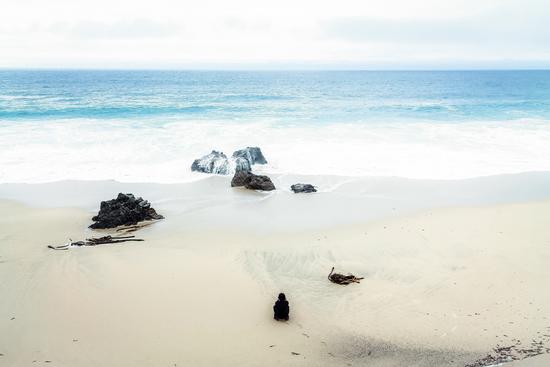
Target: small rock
<point>305,188</point>
<point>258,182</point>
<point>252,181</point>
<point>215,162</point>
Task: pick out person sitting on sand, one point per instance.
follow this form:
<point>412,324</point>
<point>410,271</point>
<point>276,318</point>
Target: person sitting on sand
<point>281,308</point>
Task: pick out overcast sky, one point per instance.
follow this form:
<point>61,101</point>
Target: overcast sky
<point>362,34</point>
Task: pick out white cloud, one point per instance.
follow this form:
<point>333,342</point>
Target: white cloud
<point>486,29</point>
<point>307,33</point>
<point>124,29</point>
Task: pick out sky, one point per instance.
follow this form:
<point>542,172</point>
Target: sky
<point>282,34</point>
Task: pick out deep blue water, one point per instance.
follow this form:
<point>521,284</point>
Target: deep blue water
<point>286,96</point>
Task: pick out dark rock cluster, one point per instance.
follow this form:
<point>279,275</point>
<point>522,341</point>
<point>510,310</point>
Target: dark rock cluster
<point>218,163</point>
<point>305,188</point>
<point>124,210</point>
<point>215,162</point>
<point>240,164</point>
<point>251,181</point>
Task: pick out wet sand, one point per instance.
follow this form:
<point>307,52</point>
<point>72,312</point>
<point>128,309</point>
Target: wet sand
<point>443,286</point>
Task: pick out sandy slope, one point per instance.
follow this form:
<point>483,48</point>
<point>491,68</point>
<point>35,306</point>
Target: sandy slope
<point>442,288</point>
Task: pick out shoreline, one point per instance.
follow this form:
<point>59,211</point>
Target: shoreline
<point>212,201</point>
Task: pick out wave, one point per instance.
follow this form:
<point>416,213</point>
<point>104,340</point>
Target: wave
<point>162,150</point>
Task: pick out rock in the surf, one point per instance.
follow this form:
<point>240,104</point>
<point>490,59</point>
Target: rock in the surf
<point>124,210</point>
<point>305,188</point>
<point>215,162</point>
<point>240,178</point>
<point>252,154</point>
<point>242,164</point>
<point>252,181</point>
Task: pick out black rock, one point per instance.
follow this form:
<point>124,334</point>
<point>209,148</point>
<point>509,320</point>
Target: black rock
<point>124,210</point>
<point>252,181</point>
<point>252,154</point>
<point>306,188</point>
<point>215,162</point>
<point>240,178</point>
<point>258,182</point>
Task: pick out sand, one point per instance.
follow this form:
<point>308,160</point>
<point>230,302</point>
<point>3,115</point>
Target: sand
<point>538,361</point>
<point>443,285</point>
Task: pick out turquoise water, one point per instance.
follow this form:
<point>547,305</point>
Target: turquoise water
<point>285,96</point>
<point>150,125</point>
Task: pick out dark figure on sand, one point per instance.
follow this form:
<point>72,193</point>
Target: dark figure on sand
<point>281,308</point>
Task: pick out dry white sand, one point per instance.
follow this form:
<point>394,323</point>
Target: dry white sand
<point>442,288</point>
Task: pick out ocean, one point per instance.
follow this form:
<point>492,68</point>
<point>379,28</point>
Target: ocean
<point>148,126</point>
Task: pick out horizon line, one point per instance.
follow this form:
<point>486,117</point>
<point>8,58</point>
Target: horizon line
<point>252,69</point>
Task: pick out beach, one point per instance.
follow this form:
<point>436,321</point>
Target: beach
<point>433,186</point>
<point>452,270</point>
<point>261,184</point>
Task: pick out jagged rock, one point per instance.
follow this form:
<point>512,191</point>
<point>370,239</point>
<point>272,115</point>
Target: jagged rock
<point>124,210</point>
<point>242,164</point>
<point>258,182</point>
<point>252,154</point>
<point>240,178</point>
<point>252,181</point>
<point>215,162</point>
<point>306,188</point>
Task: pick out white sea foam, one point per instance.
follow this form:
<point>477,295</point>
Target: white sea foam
<point>150,151</point>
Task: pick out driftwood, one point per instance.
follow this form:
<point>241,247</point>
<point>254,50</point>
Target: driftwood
<point>133,228</point>
<point>343,279</point>
<point>95,241</point>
